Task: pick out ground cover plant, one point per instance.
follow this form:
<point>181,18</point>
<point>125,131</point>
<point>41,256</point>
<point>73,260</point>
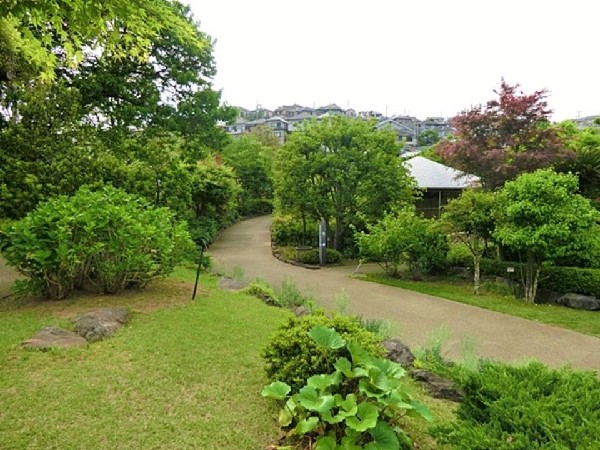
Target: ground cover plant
<point>182,374</point>
<point>358,405</point>
<point>526,407</point>
<point>460,291</point>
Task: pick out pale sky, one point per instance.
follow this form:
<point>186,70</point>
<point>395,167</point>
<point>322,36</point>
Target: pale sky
<point>419,57</point>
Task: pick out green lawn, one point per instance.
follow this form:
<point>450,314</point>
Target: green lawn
<point>186,376</point>
<point>587,322</point>
<point>180,375</point>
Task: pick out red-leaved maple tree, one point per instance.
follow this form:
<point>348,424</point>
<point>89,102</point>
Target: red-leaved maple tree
<point>508,136</point>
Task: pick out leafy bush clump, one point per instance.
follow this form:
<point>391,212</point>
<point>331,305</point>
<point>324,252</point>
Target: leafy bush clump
<point>523,408</point>
<point>108,240</point>
<point>403,238</point>
<point>293,357</point>
<point>332,256</point>
<point>355,406</point>
<point>288,230</point>
<point>289,296</point>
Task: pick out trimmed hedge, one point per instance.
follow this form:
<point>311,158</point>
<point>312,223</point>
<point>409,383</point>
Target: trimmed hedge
<point>557,279</point>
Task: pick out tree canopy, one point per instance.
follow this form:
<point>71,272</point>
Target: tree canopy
<point>343,171</point>
<point>541,216</point>
<point>508,136</point>
<point>36,37</point>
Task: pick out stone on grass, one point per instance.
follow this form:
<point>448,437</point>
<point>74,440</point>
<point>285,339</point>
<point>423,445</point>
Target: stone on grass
<point>437,386</point>
<point>231,284</point>
<point>54,337</point>
<point>580,301</point>
<point>399,352</point>
<point>301,311</point>
<point>102,323</point>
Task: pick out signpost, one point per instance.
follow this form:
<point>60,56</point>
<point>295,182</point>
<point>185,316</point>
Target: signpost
<point>322,242</point>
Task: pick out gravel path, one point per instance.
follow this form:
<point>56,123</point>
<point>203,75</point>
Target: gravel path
<point>499,336</point>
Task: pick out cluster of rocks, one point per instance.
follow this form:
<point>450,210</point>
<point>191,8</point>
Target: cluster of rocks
<point>89,327</point>
<point>435,385</point>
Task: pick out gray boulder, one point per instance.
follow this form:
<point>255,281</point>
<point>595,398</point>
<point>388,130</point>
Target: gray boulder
<point>231,284</point>
<point>437,386</point>
<point>97,325</point>
<point>54,337</point>
<point>399,352</point>
<point>579,301</point>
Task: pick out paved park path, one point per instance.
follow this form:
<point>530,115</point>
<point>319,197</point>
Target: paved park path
<point>496,335</point>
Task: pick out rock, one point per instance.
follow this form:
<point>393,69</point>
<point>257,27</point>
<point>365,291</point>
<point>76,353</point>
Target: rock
<point>102,323</point>
<point>399,352</point>
<point>300,311</point>
<point>438,387</point>
<point>231,284</point>
<point>579,301</point>
<point>267,299</point>
<point>547,297</point>
<point>54,337</point>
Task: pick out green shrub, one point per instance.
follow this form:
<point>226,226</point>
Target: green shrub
<point>256,206</point>
<point>557,279</point>
<point>355,406</point>
<point>260,288</point>
<point>405,238</point>
<point>523,408</point>
<point>459,255</point>
<point>292,356</point>
<point>289,296</point>
<point>288,230</point>
<point>312,256</point>
<point>107,239</point>
<point>204,229</point>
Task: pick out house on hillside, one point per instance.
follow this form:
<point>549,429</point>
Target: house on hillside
<point>439,184</point>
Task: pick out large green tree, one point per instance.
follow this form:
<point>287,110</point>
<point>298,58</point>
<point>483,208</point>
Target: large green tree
<point>252,162</point>
<point>541,216</point>
<point>343,171</point>
<point>37,37</point>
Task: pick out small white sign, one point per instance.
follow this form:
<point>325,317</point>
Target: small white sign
<point>510,269</point>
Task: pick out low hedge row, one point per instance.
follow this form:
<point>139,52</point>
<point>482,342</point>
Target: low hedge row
<point>557,279</point>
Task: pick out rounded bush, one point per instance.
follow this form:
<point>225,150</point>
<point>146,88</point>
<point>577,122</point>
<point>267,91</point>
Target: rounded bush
<point>292,356</point>
<point>312,256</point>
<point>107,240</point>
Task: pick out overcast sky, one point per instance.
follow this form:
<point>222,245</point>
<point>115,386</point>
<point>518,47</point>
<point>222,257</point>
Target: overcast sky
<point>418,57</point>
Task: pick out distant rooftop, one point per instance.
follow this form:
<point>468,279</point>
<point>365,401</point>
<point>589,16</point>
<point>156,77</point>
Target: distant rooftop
<point>433,175</point>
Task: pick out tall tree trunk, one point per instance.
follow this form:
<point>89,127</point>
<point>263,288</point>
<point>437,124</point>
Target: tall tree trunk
<point>532,273</point>
<point>476,272</point>
<point>338,233</point>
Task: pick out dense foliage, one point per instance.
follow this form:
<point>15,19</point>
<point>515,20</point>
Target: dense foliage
<point>356,405</point>
<point>403,238</point>
<point>522,408</point>
<point>542,216</point>
<point>292,356</point>
<point>108,240</point>
<point>252,162</point>
<point>508,136</point>
<point>469,219</point>
<point>343,171</point>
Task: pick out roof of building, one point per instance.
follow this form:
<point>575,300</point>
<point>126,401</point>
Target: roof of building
<point>433,175</point>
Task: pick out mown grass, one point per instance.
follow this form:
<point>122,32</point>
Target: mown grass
<point>587,322</point>
<point>181,375</point>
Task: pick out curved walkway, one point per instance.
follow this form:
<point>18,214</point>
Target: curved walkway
<point>496,335</point>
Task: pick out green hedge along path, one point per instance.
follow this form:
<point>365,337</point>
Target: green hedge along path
<point>507,338</point>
